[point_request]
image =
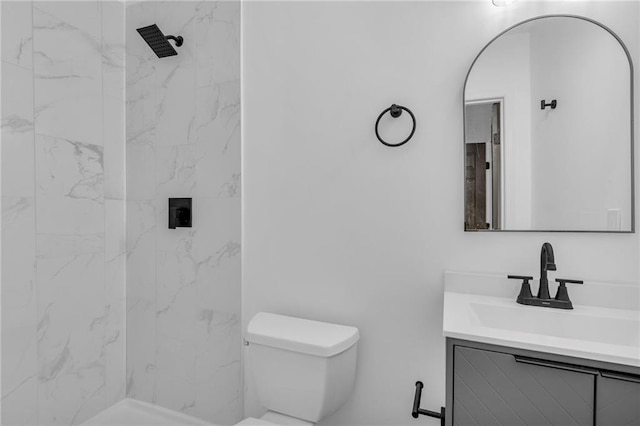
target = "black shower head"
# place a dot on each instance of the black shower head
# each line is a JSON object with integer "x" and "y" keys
{"x": 158, "y": 42}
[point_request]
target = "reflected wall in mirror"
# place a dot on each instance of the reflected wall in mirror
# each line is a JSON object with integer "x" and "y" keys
{"x": 548, "y": 130}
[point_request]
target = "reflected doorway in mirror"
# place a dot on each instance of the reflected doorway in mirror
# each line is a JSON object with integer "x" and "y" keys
{"x": 484, "y": 164}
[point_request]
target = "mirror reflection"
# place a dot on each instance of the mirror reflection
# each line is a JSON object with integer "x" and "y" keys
{"x": 548, "y": 137}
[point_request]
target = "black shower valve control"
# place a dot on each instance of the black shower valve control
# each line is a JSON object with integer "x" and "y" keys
{"x": 179, "y": 213}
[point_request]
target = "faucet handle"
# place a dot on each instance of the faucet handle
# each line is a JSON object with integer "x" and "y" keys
{"x": 562, "y": 293}
{"x": 519, "y": 277}
{"x": 562, "y": 281}
{"x": 525, "y": 278}
{"x": 525, "y": 290}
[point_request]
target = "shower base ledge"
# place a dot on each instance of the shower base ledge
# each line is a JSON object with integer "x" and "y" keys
{"x": 131, "y": 412}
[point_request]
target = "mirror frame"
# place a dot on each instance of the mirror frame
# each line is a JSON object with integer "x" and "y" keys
{"x": 631, "y": 122}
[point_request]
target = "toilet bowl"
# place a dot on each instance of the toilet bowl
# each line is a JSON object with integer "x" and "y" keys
{"x": 303, "y": 370}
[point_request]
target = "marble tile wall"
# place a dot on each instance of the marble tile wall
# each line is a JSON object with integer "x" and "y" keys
{"x": 183, "y": 140}
{"x": 63, "y": 210}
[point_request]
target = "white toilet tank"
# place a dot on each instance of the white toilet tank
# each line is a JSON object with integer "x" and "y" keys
{"x": 302, "y": 368}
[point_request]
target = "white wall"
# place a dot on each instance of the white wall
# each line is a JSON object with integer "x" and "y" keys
{"x": 338, "y": 227}
{"x": 63, "y": 258}
{"x": 183, "y": 140}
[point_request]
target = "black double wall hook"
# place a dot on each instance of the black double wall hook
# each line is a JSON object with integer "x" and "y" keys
{"x": 396, "y": 111}
{"x": 544, "y": 104}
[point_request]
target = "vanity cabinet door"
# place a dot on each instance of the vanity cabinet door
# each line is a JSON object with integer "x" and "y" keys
{"x": 493, "y": 388}
{"x": 618, "y": 400}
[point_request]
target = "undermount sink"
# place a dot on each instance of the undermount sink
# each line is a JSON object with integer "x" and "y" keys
{"x": 604, "y": 324}
{"x": 568, "y": 325}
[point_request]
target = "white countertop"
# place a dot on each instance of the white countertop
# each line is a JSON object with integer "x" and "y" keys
{"x": 604, "y": 324}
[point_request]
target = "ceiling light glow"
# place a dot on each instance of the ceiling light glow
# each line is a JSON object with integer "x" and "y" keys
{"x": 502, "y": 3}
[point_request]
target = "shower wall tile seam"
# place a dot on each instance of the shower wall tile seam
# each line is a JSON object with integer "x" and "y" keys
{"x": 155, "y": 248}
{"x": 35, "y": 215}
{"x": 104, "y": 204}
{"x": 66, "y": 21}
{"x": 125, "y": 193}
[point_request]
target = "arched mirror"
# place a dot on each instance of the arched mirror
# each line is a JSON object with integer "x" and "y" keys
{"x": 548, "y": 130}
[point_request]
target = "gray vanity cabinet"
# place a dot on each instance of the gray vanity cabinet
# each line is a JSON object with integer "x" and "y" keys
{"x": 490, "y": 385}
{"x": 618, "y": 399}
{"x": 493, "y": 388}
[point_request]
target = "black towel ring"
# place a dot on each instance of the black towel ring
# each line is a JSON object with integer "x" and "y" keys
{"x": 395, "y": 111}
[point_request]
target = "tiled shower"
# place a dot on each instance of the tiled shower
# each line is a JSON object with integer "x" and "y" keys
{"x": 183, "y": 140}
{"x": 97, "y": 133}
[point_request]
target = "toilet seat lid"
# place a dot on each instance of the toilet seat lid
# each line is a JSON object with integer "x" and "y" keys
{"x": 300, "y": 335}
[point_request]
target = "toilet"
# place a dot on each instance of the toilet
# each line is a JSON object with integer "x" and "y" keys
{"x": 303, "y": 370}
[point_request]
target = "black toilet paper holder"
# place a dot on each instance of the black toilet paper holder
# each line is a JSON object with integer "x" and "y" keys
{"x": 418, "y": 411}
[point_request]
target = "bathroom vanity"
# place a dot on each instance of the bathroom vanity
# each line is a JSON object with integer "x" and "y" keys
{"x": 509, "y": 364}
{"x": 529, "y": 115}
{"x": 490, "y": 384}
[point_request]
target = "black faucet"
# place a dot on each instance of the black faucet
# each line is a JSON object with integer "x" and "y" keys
{"x": 547, "y": 263}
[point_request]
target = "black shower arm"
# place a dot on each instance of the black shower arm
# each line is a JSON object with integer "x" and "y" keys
{"x": 179, "y": 40}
